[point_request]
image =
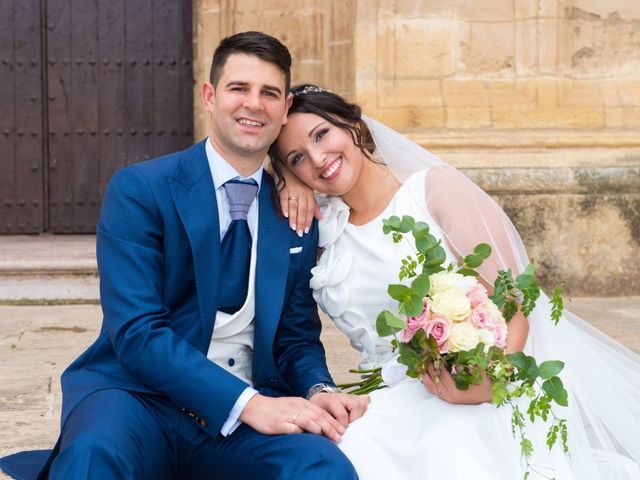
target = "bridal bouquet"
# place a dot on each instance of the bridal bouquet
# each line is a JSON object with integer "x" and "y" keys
{"x": 446, "y": 319}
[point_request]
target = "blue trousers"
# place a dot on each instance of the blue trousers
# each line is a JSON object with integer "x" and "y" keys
{"x": 115, "y": 434}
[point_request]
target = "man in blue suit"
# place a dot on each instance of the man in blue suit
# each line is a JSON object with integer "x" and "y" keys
{"x": 208, "y": 364}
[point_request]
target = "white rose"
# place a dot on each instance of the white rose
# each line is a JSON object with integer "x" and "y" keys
{"x": 463, "y": 337}
{"x": 451, "y": 303}
{"x": 494, "y": 312}
{"x": 487, "y": 337}
{"x": 444, "y": 280}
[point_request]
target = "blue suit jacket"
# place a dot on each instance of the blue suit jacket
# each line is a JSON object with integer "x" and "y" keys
{"x": 158, "y": 248}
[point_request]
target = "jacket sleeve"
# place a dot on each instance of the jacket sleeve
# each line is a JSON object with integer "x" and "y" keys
{"x": 130, "y": 263}
{"x": 299, "y": 354}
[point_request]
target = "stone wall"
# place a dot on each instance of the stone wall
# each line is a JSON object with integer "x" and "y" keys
{"x": 536, "y": 100}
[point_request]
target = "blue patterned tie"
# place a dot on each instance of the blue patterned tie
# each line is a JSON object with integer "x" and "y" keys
{"x": 235, "y": 250}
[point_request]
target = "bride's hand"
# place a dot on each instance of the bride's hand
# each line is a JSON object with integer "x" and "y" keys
{"x": 298, "y": 203}
{"x": 446, "y": 389}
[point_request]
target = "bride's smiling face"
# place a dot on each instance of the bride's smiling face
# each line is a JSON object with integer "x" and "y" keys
{"x": 320, "y": 154}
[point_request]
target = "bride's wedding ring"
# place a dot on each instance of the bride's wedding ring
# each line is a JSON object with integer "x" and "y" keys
{"x": 438, "y": 394}
{"x": 293, "y": 420}
{"x": 293, "y": 198}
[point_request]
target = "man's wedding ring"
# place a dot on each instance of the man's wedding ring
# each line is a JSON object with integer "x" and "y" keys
{"x": 293, "y": 198}
{"x": 293, "y": 420}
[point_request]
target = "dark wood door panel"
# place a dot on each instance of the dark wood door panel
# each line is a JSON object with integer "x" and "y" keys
{"x": 21, "y": 144}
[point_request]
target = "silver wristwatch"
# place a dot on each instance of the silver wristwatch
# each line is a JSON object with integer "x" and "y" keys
{"x": 321, "y": 387}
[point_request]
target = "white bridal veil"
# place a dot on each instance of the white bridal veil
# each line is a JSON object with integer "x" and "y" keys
{"x": 601, "y": 375}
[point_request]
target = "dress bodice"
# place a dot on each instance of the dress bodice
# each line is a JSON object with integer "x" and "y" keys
{"x": 359, "y": 262}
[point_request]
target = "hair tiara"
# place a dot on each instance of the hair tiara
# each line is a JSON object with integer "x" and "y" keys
{"x": 309, "y": 89}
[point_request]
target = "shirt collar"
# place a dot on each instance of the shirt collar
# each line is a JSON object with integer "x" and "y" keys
{"x": 222, "y": 171}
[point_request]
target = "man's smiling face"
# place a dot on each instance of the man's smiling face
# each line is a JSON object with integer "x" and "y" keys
{"x": 248, "y": 107}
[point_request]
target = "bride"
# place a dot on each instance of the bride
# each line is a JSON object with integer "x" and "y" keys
{"x": 366, "y": 172}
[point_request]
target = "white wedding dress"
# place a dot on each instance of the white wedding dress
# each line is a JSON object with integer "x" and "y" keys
{"x": 407, "y": 433}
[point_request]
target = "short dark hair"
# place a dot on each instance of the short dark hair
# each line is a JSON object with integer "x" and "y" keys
{"x": 263, "y": 46}
{"x": 308, "y": 98}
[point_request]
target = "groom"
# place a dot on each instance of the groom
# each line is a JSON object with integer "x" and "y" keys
{"x": 208, "y": 363}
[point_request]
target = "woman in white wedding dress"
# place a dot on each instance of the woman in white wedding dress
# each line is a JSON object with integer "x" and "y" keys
{"x": 367, "y": 172}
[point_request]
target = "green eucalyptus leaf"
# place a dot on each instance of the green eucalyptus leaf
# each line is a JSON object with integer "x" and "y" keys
{"x": 517, "y": 359}
{"x": 473, "y": 260}
{"x": 420, "y": 230}
{"x": 407, "y": 356}
{"x": 550, "y": 368}
{"x": 411, "y": 372}
{"x": 412, "y": 306}
{"x": 557, "y": 305}
{"x": 394, "y": 222}
{"x": 483, "y": 250}
{"x": 406, "y": 224}
{"x": 399, "y": 292}
{"x": 468, "y": 272}
{"x": 430, "y": 270}
{"x": 436, "y": 259}
{"x": 420, "y": 285}
{"x": 498, "y": 299}
{"x": 509, "y": 310}
{"x": 387, "y": 324}
{"x": 554, "y": 387}
{"x": 529, "y": 270}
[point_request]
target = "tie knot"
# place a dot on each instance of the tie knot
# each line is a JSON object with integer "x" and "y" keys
{"x": 240, "y": 194}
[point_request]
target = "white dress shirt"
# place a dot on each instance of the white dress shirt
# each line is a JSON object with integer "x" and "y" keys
{"x": 221, "y": 172}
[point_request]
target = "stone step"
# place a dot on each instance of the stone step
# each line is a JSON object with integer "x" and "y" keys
{"x": 48, "y": 269}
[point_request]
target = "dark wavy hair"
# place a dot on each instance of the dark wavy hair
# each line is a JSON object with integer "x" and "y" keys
{"x": 335, "y": 110}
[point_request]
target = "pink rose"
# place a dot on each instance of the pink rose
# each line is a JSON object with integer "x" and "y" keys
{"x": 500, "y": 332}
{"x": 477, "y": 296}
{"x": 439, "y": 327}
{"x": 480, "y": 318}
{"x": 416, "y": 323}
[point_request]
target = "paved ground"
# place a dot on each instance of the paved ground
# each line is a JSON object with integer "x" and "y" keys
{"x": 38, "y": 342}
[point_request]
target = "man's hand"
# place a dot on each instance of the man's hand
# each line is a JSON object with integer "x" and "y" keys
{"x": 287, "y": 415}
{"x": 344, "y": 407}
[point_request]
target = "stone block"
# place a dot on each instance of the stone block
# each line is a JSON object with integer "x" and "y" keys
{"x": 401, "y": 118}
{"x": 631, "y": 117}
{"x": 423, "y": 8}
{"x": 465, "y": 93}
{"x": 489, "y": 49}
{"x": 574, "y": 222}
{"x": 421, "y": 48}
{"x": 526, "y": 48}
{"x": 547, "y": 93}
{"x": 629, "y": 91}
{"x": 487, "y": 11}
{"x": 525, "y": 9}
{"x": 548, "y": 46}
{"x": 548, "y": 9}
{"x": 548, "y": 118}
{"x": 471, "y": 117}
{"x": 613, "y": 116}
{"x": 409, "y": 93}
{"x": 626, "y": 9}
{"x": 609, "y": 92}
{"x": 521, "y": 93}
{"x": 584, "y": 242}
{"x": 579, "y": 93}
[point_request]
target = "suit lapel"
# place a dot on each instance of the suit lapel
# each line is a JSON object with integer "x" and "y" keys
{"x": 272, "y": 267}
{"x": 195, "y": 200}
